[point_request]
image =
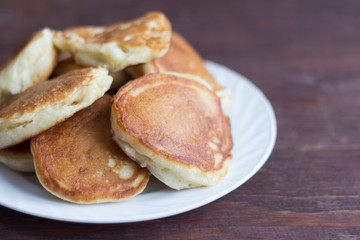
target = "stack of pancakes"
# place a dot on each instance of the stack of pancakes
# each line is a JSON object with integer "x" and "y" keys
{"x": 166, "y": 117}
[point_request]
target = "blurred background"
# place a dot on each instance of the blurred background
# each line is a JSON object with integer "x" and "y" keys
{"x": 303, "y": 54}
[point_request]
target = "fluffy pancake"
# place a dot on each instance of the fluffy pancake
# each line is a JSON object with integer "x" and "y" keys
{"x": 18, "y": 157}
{"x": 118, "y": 45}
{"x": 48, "y": 103}
{"x": 68, "y": 64}
{"x": 33, "y": 64}
{"x": 175, "y": 127}
{"x": 182, "y": 58}
{"x": 78, "y": 161}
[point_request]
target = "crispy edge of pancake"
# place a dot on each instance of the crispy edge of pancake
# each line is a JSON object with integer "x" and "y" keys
{"x": 181, "y": 45}
{"x": 140, "y": 70}
{"x": 167, "y": 170}
{"x": 115, "y": 55}
{"x": 56, "y": 187}
{"x": 21, "y": 126}
{"x": 34, "y": 63}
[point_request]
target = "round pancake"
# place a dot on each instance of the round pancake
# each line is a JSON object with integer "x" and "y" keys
{"x": 182, "y": 58}
{"x": 48, "y": 103}
{"x": 118, "y": 45}
{"x": 175, "y": 127}
{"x": 66, "y": 65}
{"x": 33, "y": 64}
{"x": 18, "y": 157}
{"x": 78, "y": 161}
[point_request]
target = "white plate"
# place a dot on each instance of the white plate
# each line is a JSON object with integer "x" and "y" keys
{"x": 254, "y": 133}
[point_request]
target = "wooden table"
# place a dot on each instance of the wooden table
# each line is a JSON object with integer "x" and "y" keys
{"x": 305, "y": 57}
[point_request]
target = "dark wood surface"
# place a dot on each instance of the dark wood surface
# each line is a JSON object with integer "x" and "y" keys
{"x": 305, "y": 57}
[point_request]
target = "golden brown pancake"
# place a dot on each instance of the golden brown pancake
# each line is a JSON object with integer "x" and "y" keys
{"x": 48, "y": 103}
{"x": 118, "y": 45}
{"x": 34, "y": 63}
{"x": 78, "y": 161}
{"x": 175, "y": 127}
{"x": 181, "y": 58}
{"x": 18, "y": 157}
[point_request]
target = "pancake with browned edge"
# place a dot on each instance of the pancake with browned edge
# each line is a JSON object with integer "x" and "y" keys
{"x": 47, "y": 103}
{"x": 78, "y": 161}
{"x": 182, "y": 58}
{"x": 34, "y": 63}
{"x": 175, "y": 127}
{"x": 119, "y": 45}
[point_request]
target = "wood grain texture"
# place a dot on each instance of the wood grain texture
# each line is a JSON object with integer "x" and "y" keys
{"x": 304, "y": 55}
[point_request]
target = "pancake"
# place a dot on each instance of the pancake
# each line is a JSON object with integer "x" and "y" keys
{"x": 182, "y": 58}
{"x": 48, "y": 103}
{"x": 118, "y": 45}
{"x": 33, "y": 64}
{"x": 175, "y": 127}
{"x": 18, "y": 157}
{"x": 66, "y": 65}
{"x": 78, "y": 161}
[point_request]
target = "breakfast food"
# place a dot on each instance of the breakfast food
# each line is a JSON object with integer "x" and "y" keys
{"x": 18, "y": 157}
{"x": 118, "y": 45}
{"x": 90, "y": 147}
{"x": 48, "y": 103}
{"x": 68, "y": 64}
{"x": 182, "y": 58}
{"x": 78, "y": 161}
{"x": 175, "y": 127}
{"x": 33, "y": 64}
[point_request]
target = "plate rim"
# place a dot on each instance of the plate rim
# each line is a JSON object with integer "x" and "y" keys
{"x": 273, "y": 130}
